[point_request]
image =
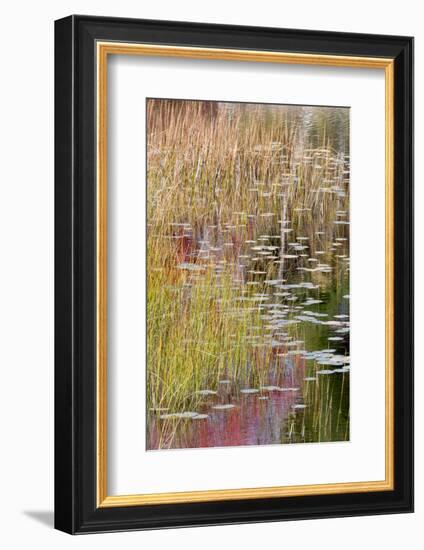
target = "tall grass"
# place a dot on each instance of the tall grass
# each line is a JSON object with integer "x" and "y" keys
{"x": 218, "y": 178}
{"x": 202, "y": 171}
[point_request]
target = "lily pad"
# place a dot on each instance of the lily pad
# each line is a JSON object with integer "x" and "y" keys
{"x": 191, "y": 267}
{"x": 187, "y": 414}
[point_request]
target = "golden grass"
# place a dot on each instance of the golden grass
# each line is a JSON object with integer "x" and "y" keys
{"x": 223, "y": 176}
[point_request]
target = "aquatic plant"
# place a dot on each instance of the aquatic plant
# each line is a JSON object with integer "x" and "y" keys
{"x": 247, "y": 269}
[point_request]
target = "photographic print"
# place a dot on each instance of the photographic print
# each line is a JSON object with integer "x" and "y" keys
{"x": 247, "y": 274}
{"x": 204, "y": 225}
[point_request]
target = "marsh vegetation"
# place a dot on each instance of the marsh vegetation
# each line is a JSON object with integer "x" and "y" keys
{"x": 247, "y": 274}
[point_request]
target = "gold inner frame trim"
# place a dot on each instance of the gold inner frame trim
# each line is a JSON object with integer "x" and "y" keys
{"x": 103, "y": 50}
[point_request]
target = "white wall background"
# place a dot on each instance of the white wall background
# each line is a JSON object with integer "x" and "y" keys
{"x": 26, "y": 272}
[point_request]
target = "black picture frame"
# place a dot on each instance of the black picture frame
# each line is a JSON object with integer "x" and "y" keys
{"x": 76, "y": 510}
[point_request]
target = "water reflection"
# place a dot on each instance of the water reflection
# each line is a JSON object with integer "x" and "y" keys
{"x": 248, "y": 302}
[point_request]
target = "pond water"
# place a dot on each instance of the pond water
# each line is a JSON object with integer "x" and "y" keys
{"x": 304, "y": 396}
{"x": 248, "y": 310}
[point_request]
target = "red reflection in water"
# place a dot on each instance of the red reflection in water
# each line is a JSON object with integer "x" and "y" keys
{"x": 256, "y": 418}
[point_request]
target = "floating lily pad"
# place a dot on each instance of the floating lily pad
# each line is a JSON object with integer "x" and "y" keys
{"x": 191, "y": 267}
{"x": 187, "y": 414}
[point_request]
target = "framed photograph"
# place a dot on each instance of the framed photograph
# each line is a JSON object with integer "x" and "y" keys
{"x": 234, "y": 274}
